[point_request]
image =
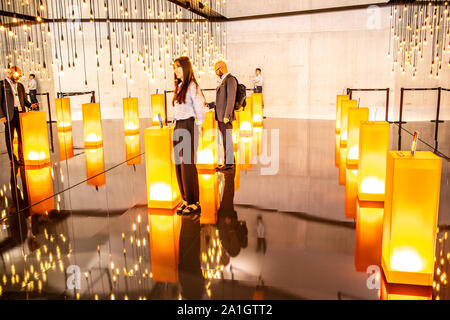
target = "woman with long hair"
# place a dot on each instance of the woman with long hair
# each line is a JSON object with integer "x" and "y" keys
{"x": 189, "y": 103}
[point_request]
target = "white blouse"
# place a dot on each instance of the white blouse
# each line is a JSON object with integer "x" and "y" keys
{"x": 194, "y": 105}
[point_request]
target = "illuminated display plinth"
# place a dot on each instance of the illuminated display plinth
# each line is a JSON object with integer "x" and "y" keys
{"x": 410, "y": 217}
{"x": 162, "y": 186}
{"x": 92, "y": 124}
{"x": 206, "y": 156}
{"x": 209, "y": 127}
{"x": 164, "y": 246}
{"x": 40, "y": 188}
{"x": 65, "y": 143}
{"x": 337, "y": 150}
{"x": 395, "y": 291}
{"x": 337, "y": 153}
{"x": 36, "y": 151}
{"x": 158, "y": 107}
{"x": 246, "y": 119}
{"x": 245, "y": 153}
{"x": 63, "y": 115}
{"x": 237, "y": 175}
{"x": 257, "y": 137}
{"x": 369, "y": 232}
{"x": 257, "y": 101}
{"x": 133, "y": 149}
{"x": 16, "y": 144}
{"x": 207, "y": 151}
{"x": 235, "y": 133}
{"x": 351, "y": 191}
{"x": 355, "y": 117}
{"x": 209, "y": 197}
{"x": 131, "y": 116}
{"x": 373, "y": 149}
{"x": 339, "y": 100}
{"x": 95, "y": 167}
{"x": 345, "y": 108}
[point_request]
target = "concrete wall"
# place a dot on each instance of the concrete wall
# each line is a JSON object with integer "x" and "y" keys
{"x": 307, "y": 60}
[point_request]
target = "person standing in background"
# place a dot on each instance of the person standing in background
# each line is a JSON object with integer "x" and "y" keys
{"x": 13, "y": 101}
{"x": 260, "y": 232}
{"x": 258, "y": 81}
{"x": 225, "y": 113}
{"x": 32, "y": 90}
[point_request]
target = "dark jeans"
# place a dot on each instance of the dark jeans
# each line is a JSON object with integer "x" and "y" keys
{"x": 185, "y": 168}
{"x": 33, "y": 98}
{"x": 261, "y": 245}
{"x": 9, "y": 136}
{"x": 226, "y": 130}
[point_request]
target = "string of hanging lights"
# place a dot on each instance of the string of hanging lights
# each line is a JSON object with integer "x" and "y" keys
{"x": 420, "y": 29}
{"x": 146, "y": 33}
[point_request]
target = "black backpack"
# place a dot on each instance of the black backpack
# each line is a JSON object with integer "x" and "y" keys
{"x": 241, "y": 94}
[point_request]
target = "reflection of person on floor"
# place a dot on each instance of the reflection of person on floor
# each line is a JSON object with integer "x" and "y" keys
{"x": 260, "y": 235}
{"x": 189, "y": 265}
{"x": 17, "y": 220}
{"x": 232, "y": 232}
{"x": 189, "y": 103}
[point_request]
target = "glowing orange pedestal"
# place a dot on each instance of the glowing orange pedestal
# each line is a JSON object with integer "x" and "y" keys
{"x": 131, "y": 116}
{"x": 410, "y": 220}
{"x": 257, "y": 101}
{"x": 355, "y": 117}
{"x": 345, "y": 108}
{"x": 246, "y": 119}
{"x": 257, "y": 137}
{"x": 373, "y": 149}
{"x": 237, "y": 175}
{"x": 245, "y": 153}
{"x": 158, "y": 107}
{"x": 92, "y": 125}
{"x": 162, "y": 186}
{"x": 63, "y": 114}
{"x": 36, "y": 150}
{"x": 164, "y": 246}
{"x": 207, "y": 151}
{"x": 337, "y": 147}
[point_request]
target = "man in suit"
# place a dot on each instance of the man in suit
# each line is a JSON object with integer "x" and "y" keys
{"x": 224, "y": 109}
{"x": 13, "y": 101}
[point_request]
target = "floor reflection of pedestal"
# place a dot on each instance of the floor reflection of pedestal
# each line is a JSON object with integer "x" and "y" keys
{"x": 369, "y": 232}
{"x": 394, "y": 291}
{"x": 164, "y": 227}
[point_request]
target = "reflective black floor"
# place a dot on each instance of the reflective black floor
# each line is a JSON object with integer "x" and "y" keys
{"x": 90, "y": 216}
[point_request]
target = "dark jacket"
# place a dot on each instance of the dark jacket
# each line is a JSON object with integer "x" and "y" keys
{"x": 226, "y": 99}
{"x": 7, "y": 99}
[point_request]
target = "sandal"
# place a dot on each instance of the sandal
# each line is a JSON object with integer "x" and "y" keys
{"x": 192, "y": 209}
{"x": 181, "y": 207}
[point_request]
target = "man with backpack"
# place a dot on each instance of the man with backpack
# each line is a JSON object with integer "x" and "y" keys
{"x": 228, "y": 99}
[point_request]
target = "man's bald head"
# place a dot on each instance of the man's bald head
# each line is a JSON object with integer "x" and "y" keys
{"x": 220, "y": 68}
{"x": 15, "y": 73}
